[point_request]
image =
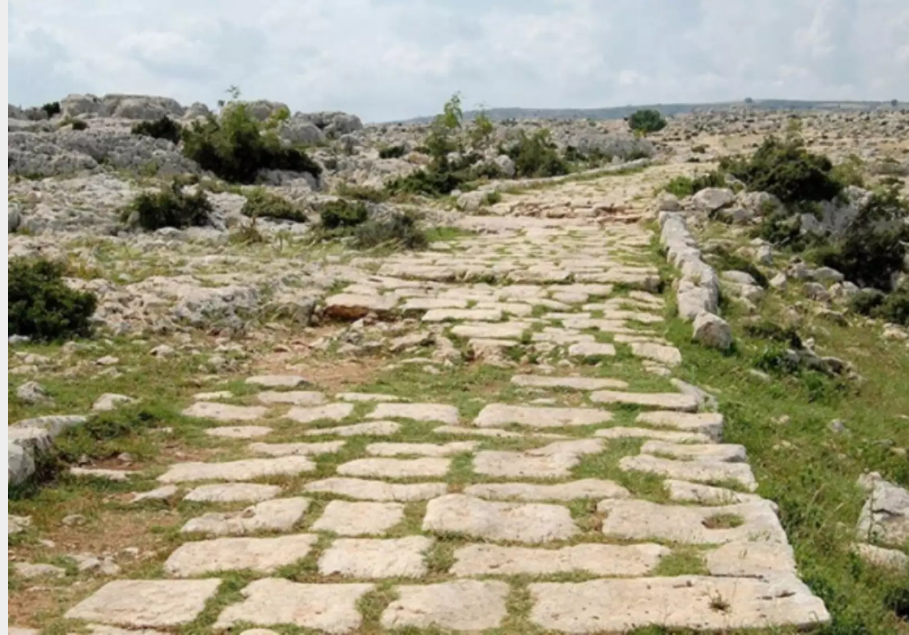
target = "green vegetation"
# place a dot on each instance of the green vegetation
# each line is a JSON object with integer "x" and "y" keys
{"x": 342, "y": 214}
{"x": 78, "y": 124}
{"x": 893, "y": 307}
{"x": 536, "y": 156}
{"x": 683, "y": 186}
{"x": 163, "y": 128}
{"x": 392, "y": 152}
{"x": 169, "y": 207}
{"x": 400, "y": 231}
{"x": 52, "y": 109}
{"x": 263, "y": 204}
{"x": 727, "y": 261}
{"x": 361, "y": 193}
{"x": 646, "y": 121}
{"x": 42, "y": 306}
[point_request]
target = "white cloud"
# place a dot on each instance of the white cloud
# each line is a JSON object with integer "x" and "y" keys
{"x": 387, "y": 59}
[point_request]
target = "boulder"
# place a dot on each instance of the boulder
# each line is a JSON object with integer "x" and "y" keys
{"x": 713, "y": 198}
{"x": 505, "y": 165}
{"x": 301, "y": 131}
{"x": 141, "y": 106}
{"x": 713, "y": 331}
{"x": 81, "y": 105}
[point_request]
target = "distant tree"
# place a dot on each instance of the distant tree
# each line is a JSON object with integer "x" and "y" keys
{"x": 644, "y": 121}
{"x": 894, "y": 102}
{"x": 749, "y": 100}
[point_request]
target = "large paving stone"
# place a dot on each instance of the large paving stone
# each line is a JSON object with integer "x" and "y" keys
{"x": 233, "y": 493}
{"x": 661, "y": 435}
{"x": 377, "y": 490}
{"x": 497, "y": 415}
{"x": 709, "y": 423}
{"x": 238, "y": 432}
{"x": 281, "y": 514}
{"x": 420, "y": 449}
{"x": 685, "y": 492}
{"x": 372, "y": 429}
{"x": 395, "y": 468}
{"x": 599, "y": 560}
{"x": 574, "y": 383}
{"x": 691, "y": 470}
{"x": 224, "y": 412}
{"x": 276, "y": 381}
{"x": 456, "y": 315}
{"x": 263, "y": 555}
{"x": 591, "y": 349}
{"x": 246, "y": 470}
{"x": 359, "y": 519}
{"x": 597, "y": 324}
{"x": 686, "y": 602}
{"x": 331, "y": 608}
{"x": 296, "y": 449}
{"x": 751, "y": 559}
{"x": 146, "y": 603}
{"x": 500, "y": 331}
{"x": 430, "y": 304}
{"x": 462, "y": 605}
{"x": 587, "y": 488}
{"x": 328, "y": 412}
{"x": 293, "y": 397}
{"x": 708, "y": 453}
{"x": 468, "y": 516}
{"x": 417, "y": 412}
{"x": 348, "y": 306}
{"x": 523, "y": 465}
{"x": 365, "y": 396}
{"x": 668, "y": 401}
{"x": 667, "y": 355}
{"x": 642, "y": 520}
{"x": 552, "y": 335}
{"x": 369, "y": 559}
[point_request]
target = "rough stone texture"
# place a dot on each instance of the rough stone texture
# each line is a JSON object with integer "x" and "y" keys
{"x": 496, "y": 415}
{"x": 233, "y": 493}
{"x": 685, "y": 492}
{"x": 157, "y": 494}
{"x": 724, "y": 453}
{"x": 263, "y": 555}
{"x": 502, "y": 331}
{"x": 109, "y": 401}
{"x": 395, "y": 468}
{"x": 28, "y": 570}
{"x": 348, "y": 306}
{"x": 575, "y": 383}
{"x": 692, "y": 471}
{"x": 587, "y": 488}
{"x": 666, "y": 401}
{"x": 146, "y": 603}
{"x": 668, "y": 355}
{"x": 591, "y": 349}
{"x": 281, "y": 514}
{"x": 239, "y": 432}
{"x": 359, "y": 519}
{"x": 713, "y": 331}
{"x": 377, "y": 490}
{"x": 885, "y": 516}
{"x": 246, "y": 470}
{"x": 417, "y": 412}
{"x": 420, "y": 449}
{"x": 661, "y": 435}
{"x": 119, "y": 476}
{"x": 886, "y": 558}
{"x": 374, "y": 429}
{"x": 331, "y": 608}
{"x": 599, "y": 560}
{"x": 642, "y": 520}
{"x": 523, "y": 465}
{"x": 709, "y": 423}
{"x": 369, "y": 559}
{"x": 603, "y": 606}
{"x": 462, "y": 605}
{"x": 329, "y": 412}
{"x": 364, "y": 396}
{"x": 293, "y": 397}
{"x": 464, "y": 515}
{"x": 277, "y": 381}
{"x": 224, "y": 412}
{"x": 454, "y": 315}
{"x": 751, "y": 559}
{"x": 296, "y": 449}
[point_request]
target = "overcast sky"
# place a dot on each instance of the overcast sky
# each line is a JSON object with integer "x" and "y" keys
{"x": 391, "y": 59}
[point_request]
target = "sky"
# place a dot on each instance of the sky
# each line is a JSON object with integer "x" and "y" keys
{"x": 394, "y": 59}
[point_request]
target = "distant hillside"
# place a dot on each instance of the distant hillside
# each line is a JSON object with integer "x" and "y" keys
{"x": 499, "y": 114}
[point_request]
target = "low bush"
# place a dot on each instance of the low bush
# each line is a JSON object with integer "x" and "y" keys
{"x": 727, "y": 261}
{"x": 362, "y": 193}
{"x": 104, "y": 435}
{"x": 343, "y": 214}
{"x": 169, "y": 207}
{"x": 263, "y": 204}
{"x": 78, "y": 124}
{"x": 892, "y": 307}
{"x": 866, "y": 301}
{"x": 683, "y": 186}
{"x": 163, "y": 128}
{"x": 400, "y": 231}
{"x": 427, "y": 182}
{"x": 52, "y": 109}
{"x": 392, "y": 152}
{"x": 767, "y": 330}
{"x": 644, "y": 121}
{"x": 536, "y": 156}
{"x": 41, "y": 306}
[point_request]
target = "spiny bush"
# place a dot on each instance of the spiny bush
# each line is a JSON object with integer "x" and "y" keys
{"x": 399, "y": 231}
{"x": 163, "y": 128}
{"x": 169, "y": 207}
{"x": 683, "y": 186}
{"x": 263, "y": 204}
{"x": 52, "y": 108}
{"x": 536, "y": 156}
{"x": 362, "y": 193}
{"x": 41, "y": 306}
{"x": 343, "y": 214}
{"x": 392, "y": 152}
{"x": 79, "y": 124}
{"x": 428, "y": 182}
{"x": 644, "y": 121}
{"x": 236, "y": 147}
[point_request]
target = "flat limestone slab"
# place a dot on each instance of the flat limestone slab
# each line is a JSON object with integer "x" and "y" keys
{"x": 293, "y": 397}
{"x": 591, "y": 349}
{"x": 359, "y": 519}
{"x": 224, "y": 412}
{"x": 246, "y": 470}
{"x": 420, "y": 449}
{"x": 709, "y": 423}
{"x": 661, "y": 435}
{"x": 600, "y": 560}
{"x": 497, "y": 415}
{"x": 430, "y": 304}
{"x": 708, "y": 453}
{"x": 146, "y": 603}
{"x": 325, "y": 607}
{"x": 529, "y": 523}
{"x": 276, "y": 381}
{"x": 523, "y": 465}
{"x": 417, "y": 412}
{"x": 685, "y": 492}
{"x": 691, "y": 470}
{"x": 668, "y": 401}
{"x": 349, "y": 306}
{"x": 462, "y": 605}
{"x": 687, "y": 602}
{"x": 328, "y": 412}
{"x": 280, "y": 514}
{"x": 395, "y": 468}
{"x": 573, "y": 383}
{"x": 456, "y": 315}
{"x": 500, "y": 331}
{"x": 667, "y": 355}
{"x": 373, "y": 429}
{"x": 365, "y": 396}
{"x": 238, "y": 432}
{"x": 588, "y": 488}
{"x": 264, "y": 555}
{"x": 642, "y": 520}
{"x": 370, "y": 559}
{"x": 233, "y": 493}
{"x": 377, "y": 490}
{"x": 749, "y": 559}
{"x": 296, "y": 449}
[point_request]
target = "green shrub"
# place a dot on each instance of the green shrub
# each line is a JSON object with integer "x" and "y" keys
{"x": 767, "y": 330}
{"x": 41, "y": 306}
{"x": 392, "y": 152}
{"x": 849, "y": 172}
{"x": 362, "y": 193}
{"x": 683, "y": 186}
{"x": 400, "y": 231}
{"x": 645, "y": 121}
{"x": 262, "y": 204}
{"x": 78, "y": 124}
{"x": 727, "y": 261}
{"x": 169, "y": 207}
{"x": 429, "y": 182}
{"x": 163, "y": 128}
{"x": 895, "y": 307}
{"x": 236, "y": 147}
{"x": 52, "y": 109}
{"x": 536, "y": 156}
{"x": 343, "y": 214}
{"x": 102, "y": 436}
{"x": 866, "y": 301}
{"x": 787, "y": 170}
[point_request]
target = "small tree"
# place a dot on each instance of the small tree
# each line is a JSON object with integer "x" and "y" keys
{"x": 646, "y": 121}
{"x": 41, "y": 306}
{"x": 894, "y": 102}
{"x": 163, "y": 128}
{"x": 170, "y": 207}
{"x": 482, "y": 129}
